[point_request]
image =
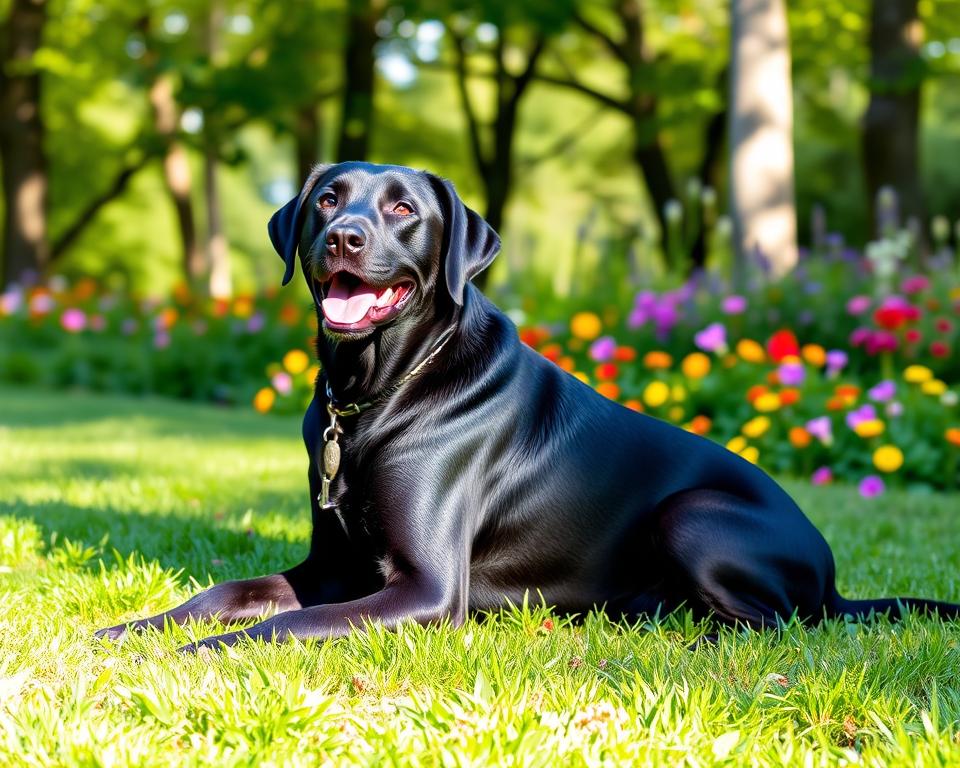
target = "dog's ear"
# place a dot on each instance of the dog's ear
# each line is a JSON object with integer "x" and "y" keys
{"x": 285, "y": 225}
{"x": 469, "y": 243}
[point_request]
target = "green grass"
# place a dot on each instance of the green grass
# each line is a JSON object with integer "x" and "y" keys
{"x": 112, "y": 508}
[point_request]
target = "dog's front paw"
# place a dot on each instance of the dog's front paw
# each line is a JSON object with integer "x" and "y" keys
{"x": 209, "y": 645}
{"x": 112, "y": 633}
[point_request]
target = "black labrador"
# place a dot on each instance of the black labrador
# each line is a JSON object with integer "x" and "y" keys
{"x": 452, "y": 467}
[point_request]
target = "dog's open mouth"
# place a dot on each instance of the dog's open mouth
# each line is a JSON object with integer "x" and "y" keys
{"x": 350, "y": 304}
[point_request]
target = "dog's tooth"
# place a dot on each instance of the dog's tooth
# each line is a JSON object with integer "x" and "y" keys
{"x": 385, "y": 297}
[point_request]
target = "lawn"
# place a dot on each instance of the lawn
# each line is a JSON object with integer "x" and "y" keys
{"x": 111, "y": 508}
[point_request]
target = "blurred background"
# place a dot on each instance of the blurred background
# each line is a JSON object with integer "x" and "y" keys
{"x": 740, "y": 216}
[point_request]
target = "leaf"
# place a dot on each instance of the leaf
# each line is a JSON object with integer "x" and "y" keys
{"x": 723, "y": 745}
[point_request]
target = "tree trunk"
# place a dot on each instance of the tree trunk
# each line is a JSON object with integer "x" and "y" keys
{"x": 307, "y": 136}
{"x": 761, "y": 135}
{"x": 356, "y": 119}
{"x": 891, "y": 124}
{"x": 176, "y": 174}
{"x": 709, "y": 175}
{"x": 25, "y": 247}
{"x": 218, "y": 249}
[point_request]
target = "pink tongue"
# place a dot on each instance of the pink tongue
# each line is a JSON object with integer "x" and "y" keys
{"x": 342, "y": 306}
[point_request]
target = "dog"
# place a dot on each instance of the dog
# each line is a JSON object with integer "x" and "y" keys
{"x": 452, "y": 468}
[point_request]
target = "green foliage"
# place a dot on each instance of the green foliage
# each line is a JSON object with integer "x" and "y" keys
{"x": 223, "y": 496}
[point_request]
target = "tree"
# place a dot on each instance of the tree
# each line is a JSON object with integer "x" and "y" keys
{"x": 761, "y": 135}
{"x": 25, "y": 247}
{"x": 357, "y": 113}
{"x": 891, "y": 124}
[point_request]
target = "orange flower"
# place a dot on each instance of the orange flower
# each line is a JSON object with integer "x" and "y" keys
{"x": 567, "y": 364}
{"x": 751, "y": 351}
{"x": 264, "y": 399}
{"x": 773, "y": 378}
{"x": 289, "y": 314}
{"x": 953, "y": 436}
{"x": 700, "y": 424}
{"x": 755, "y": 391}
{"x": 789, "y": 396}
{"x": 585, "y": 325}
{"x": 849, "y": 392}
{"x": 657, "y": 360}
{"x": 836, "y": 404}
{"x": 696, "y": 365}
{"x": 625, "y": 354}
{"x": 552, "y": 352}
{"x": 634, "y": 405}
{"x": 799, "y": 437}
{"x": 608, "y": 389}
{"x": 168, "y": 317}
{"x": 606, "y": 371}
{"x": 534, "y": 336}
{"x": 814, "y": 354}
{"x": 243, "y": 306}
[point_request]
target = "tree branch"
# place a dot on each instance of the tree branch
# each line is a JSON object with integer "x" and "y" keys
{"x": 616, "y": 48}
{"x": 473, "y": 125}
{"x": 586, "y": 90}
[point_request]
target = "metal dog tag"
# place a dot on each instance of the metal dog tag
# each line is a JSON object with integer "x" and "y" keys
{"x": 331, "y": 457}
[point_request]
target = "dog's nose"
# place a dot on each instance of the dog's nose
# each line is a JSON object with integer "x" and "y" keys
{"x": 345, "y": 240}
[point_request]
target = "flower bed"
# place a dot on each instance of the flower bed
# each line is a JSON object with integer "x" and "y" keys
{"x": 836, "y": 372}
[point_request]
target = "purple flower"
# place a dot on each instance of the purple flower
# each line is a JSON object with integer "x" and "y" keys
{"x": 637, "y": 318}
{"x": 713, "y": 338}
{"x": 864, "y": 413}
{"x": 836, "y": 362}
{"x": 822, "y": 476}
{"x": 870, "y": 486}
{"x": 858, "y": 305}
{"x": 73, "y": 320}
{"x": 665, "y": 317}
{"x": 821, "y": 428}
{"x": 161, "y": 340}
{"x": 129, "y": 326}
{"x": 256, "y": 322}
{"x": 282, "y": 382}
{"x": 733, "y": 305}
{"x": 884, "y": 391}
{"x": 894, "y": 409}
{"x": 791, "y": 374}
{"x": 10, "y": 301}
{"x": 603, "y": 349}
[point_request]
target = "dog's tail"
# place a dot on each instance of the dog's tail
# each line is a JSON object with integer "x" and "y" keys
{"x": 894, "y": 607}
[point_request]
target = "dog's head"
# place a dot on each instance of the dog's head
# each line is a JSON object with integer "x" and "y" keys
{"x": 379, "y": 243}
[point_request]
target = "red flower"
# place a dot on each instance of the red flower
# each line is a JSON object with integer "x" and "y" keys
{"x": 939, "y": 349}
{"x": 943, "y": 325}
{"x": 783, "y": 344}
{"x": 912, "y": 336}
{"x": 607, "y": 371}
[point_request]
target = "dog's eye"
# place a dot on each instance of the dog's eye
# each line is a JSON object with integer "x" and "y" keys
{"x": 403, "y": 209}
{"x": 328, "y": 200}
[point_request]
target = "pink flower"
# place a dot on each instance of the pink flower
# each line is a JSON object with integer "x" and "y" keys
{"x": 73, "y": 320}
{"x": 713, "y": 338}
{"x": 871, "y": 485}
{"x": 882, "y": 392}
{"x": 733, "y": 305}
{"x": 822, "y": 476}
{"x": 858, "y": 305}
{"x": 282, "y": 382}
{"x": 821, "y": 428}
{"x": 915, "y": 284}
{"x": 864, "y": 413}
{"x": 603, "y": 349}
{"x": 791, "y": 374}
{"x": 41, "y": 304}
{"x": 161, "y": 340}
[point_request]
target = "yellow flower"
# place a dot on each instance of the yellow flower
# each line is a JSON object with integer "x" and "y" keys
{"x": 917, "y": 374}
{"x": 581, "y": 376}
{"x": 814, "y": 354}
{"x": 737, "y": 444}
{"x": 696, "y": 365}
{"x": 296, "y": 361}
{"x": 756, "y": 427}
{"x": 676, "y": 413}
{"x": 888, "y": 458}
{"x": 310, "y": 375}
{"x": 657, "y": 360}
{"x": 934, "y": 387}
{"x": 264, "y": 399}
{"x": 751, "y": 351}
{"x": 870, "y": 428}
{"x": 656, "y": 394}
{"x": 585, "y": 325}
{"x": 767, "y": 402}
{"x": 678, "y": 392}
{"x": 751, "y": 454}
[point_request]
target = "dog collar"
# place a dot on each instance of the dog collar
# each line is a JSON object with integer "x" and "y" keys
{"x": 330, "y": 463}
